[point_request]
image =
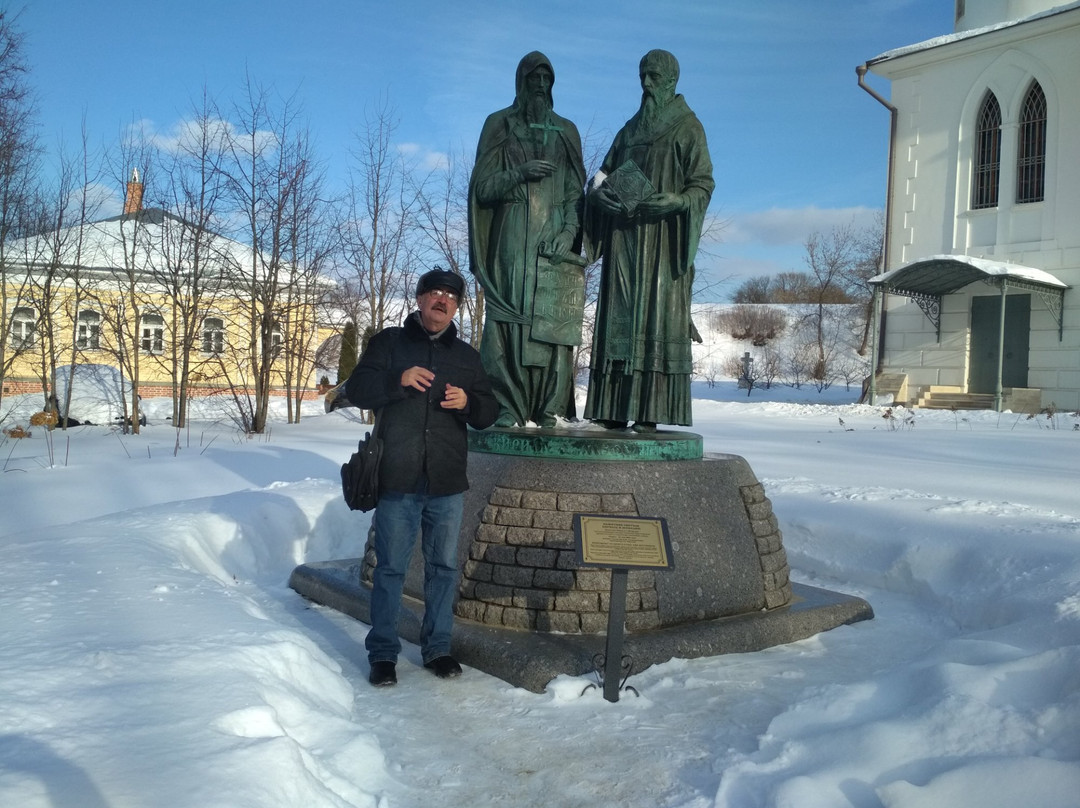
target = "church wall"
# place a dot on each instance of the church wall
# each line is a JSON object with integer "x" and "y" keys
{"x": 937, "y": 92}
{"x": 978, "y": 13}
{"x": 912, "y": 346}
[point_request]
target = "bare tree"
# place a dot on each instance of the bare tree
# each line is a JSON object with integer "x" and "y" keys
{"x": 829, "y": 258}
{"x": 375, "y": 227}
{"x": 867, "y": 263}
{"x": 265, "y": 168}
{"x": 309, "y": 244}
{"x": 19, "y": 154}
{"x": 85, "y": 323}
{"x": 56, "y": 286}
{"x": 39, "y": 300}
{"x": 195, "y": 261}
{"x": 442, "y": 218}
{"x": 798, "y": 364}
{"x": 136, "y": 321}
{"x": 754, "y": 290}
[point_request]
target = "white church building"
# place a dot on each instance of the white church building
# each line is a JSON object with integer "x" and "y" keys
{"x": 978, "y": 303}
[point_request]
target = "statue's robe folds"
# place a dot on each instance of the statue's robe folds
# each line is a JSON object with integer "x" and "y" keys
{"x": 641, "y": 359}
{"x": 508, "y": 222}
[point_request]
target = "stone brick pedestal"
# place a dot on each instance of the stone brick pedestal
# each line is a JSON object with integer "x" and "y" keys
{"x": 526, "y": 611}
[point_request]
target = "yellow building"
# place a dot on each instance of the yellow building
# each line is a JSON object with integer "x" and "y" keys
{"x": 177, "y": 309}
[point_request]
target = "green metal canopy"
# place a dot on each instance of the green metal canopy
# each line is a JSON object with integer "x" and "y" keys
{"x": 928, "y": 280}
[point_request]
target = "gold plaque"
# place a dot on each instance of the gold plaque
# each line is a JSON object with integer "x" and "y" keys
{"x": 622, "y": 541}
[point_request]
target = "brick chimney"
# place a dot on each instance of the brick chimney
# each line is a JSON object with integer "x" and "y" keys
{"x": 133, "y": 199}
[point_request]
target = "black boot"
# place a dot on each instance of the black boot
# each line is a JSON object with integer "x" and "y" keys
{"x": 383, "y": 674}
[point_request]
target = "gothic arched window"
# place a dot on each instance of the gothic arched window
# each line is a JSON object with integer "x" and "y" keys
{"x": 984, "y": 192}
{"x": 1031, "y": 148}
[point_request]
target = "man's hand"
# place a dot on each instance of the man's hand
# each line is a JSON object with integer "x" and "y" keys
{"x": 660, "y": 205}
{"x": 417, "y": 378}
{"x": 537, "y": 169}
{"x": 455, "y": 398}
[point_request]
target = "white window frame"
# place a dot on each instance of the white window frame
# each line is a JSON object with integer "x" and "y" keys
{"x": 88, "y": 330}
{"x": 23, "y": 332}
{"x": 152, "y": 334}
{"x": 212, "y": 337}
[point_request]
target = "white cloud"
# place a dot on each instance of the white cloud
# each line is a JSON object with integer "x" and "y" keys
{"x": 424, "y": 159}
{"x": 791, "y": 226}
{"x": 102, "y": 200}
{"x": 188, "y": 135}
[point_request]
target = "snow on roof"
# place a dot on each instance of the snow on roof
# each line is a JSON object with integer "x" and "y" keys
{"x": 983, "y": 265}
{"x": 958, "y": 36}
{"x": 148, "y": 239}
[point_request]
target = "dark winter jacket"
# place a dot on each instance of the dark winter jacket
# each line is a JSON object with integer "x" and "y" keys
{"x": 420, "y": 438}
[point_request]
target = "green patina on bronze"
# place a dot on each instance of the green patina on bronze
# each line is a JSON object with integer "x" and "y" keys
{"x": 645, "y": 221}
{"x": 593, "y": 445}
{"x": 526, "y": 191}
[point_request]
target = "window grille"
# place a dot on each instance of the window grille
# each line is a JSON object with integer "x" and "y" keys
{"x": 987, "y": 154}
{"x": 1031, "y": 150}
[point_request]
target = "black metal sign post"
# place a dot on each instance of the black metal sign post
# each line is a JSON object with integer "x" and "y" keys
{"x": 616, "y": 623}
{"x": 621, "y": 543}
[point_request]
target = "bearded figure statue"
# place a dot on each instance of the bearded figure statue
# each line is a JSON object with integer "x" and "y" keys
{"x": 525, "y": 202}
{"x": 644, "y": 216}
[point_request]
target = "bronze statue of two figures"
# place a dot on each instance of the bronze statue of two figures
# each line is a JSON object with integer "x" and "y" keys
{"x": 531, "y": 218}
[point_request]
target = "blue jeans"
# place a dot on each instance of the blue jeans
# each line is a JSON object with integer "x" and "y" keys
{"x": 398, "y": 519}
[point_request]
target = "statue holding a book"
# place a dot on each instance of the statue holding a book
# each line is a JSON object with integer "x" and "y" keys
{"x": 644, "y": 216}
{"x": 525, "y": 200}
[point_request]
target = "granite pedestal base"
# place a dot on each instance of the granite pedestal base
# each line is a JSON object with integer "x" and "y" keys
{"x": 526, "y": 612}
{"x": 531, "y": 659}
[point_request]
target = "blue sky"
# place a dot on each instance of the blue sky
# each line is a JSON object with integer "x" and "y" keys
{"x": 796, "y": 145}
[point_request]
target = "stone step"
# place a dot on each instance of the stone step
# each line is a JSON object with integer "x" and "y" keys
{"x": 959, "y": 401}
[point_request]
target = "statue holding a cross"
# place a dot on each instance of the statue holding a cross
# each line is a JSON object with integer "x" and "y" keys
{"x": 525, "y": 202}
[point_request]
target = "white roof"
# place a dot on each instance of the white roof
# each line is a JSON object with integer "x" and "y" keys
{"x": 147, "y": 240}
{"x": 973, "y": 32}
{"x": 110, "y": 244}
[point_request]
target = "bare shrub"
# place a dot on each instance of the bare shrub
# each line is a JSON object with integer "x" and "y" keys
{"x": 759, "y": 324}
{"x": 798, "y": 365}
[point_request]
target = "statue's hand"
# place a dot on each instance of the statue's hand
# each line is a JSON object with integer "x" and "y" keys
{"x": 661, "y": 204}
{"x": 537, "y": 169}
{"x": 606, "y": 200}
{"x": 560, "y": 245}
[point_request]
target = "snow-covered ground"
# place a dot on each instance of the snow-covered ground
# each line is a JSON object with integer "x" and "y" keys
{"x": 153, "y": 655}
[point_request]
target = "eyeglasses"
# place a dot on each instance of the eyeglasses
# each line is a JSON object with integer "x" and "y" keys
{"x": 451, "y": 296}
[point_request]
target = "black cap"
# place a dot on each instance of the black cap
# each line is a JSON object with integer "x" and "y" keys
{"x": 440, "y": 278}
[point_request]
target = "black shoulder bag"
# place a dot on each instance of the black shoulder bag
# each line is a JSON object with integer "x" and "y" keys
{"x": 360, "y": 476}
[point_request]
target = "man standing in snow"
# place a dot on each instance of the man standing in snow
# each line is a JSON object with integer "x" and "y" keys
{"x": 426, "y": 386}
{"x": 525, "y": 197}
{"x": 645, "y": 219}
